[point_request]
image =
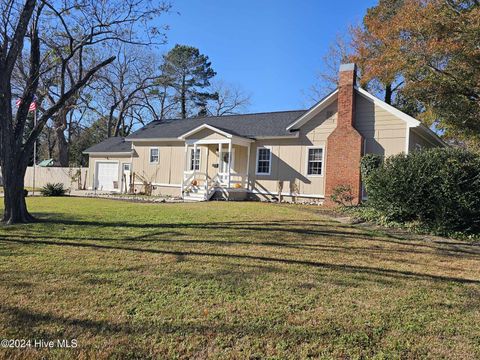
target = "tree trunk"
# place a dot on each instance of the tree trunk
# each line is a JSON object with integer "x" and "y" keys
{"x": 15, "y": 210}
{"x": 61, "y": 143}
{"x": 184, "y": 99}
{"x": 14, "y": 161}
{"x": 388, "y": 94}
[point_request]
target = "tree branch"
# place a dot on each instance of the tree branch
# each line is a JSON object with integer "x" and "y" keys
{"x": 63, "y": 99}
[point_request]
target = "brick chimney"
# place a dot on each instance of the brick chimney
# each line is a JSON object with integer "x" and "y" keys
{"x": 345, "y": 144}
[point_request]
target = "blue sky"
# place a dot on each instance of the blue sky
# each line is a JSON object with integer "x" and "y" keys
{"x": 272, "y": 49}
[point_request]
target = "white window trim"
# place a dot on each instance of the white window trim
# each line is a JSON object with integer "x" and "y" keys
{"x": 126, "y": 163}
{"x": 191, "y": 149}
{"x": 323, "y": 161}
{"x": 269, "y": 161}
{"x": 150, "y": 155}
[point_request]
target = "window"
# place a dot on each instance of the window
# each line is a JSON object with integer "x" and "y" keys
{"x": 314, "y": 161}
{"x": 154, "y": 155}
{"x": 194, "y": 160}
{"x": 264, "y": 161}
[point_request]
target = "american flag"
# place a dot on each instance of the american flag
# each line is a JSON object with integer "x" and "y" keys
{"x": 33, "y": 104}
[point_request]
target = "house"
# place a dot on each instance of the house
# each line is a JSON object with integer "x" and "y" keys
{"x": 304, "y": 153}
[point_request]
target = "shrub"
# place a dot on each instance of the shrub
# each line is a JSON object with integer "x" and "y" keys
{"x": 342, "y": 195}
{"x": 440, "y": 188}
{"x": 370, "y": 163}
{"x": 53, "y": 190}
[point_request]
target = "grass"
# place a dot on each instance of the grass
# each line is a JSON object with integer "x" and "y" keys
{"x": 28, "y": 188}
{"x": 231, "y": 280}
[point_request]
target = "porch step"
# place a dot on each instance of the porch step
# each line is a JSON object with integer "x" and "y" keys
{"x": 195, "y": 196}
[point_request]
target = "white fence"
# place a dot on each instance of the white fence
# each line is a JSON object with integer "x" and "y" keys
{"x": 73, "y": 178}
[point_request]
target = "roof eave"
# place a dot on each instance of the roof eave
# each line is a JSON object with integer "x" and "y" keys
{"x": 431, "y": 134}
{"x": 108, "y": 153}
{"x": 151, "y": 139}
{"x": 411, "y": 122}
{"x": 294, "y": 135}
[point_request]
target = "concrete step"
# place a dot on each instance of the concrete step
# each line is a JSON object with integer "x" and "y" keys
{"x": 193, "y": 198}
{"x": 198, "y": 195}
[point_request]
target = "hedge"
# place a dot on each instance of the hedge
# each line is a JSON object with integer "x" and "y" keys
{"x": 438, "y": 187}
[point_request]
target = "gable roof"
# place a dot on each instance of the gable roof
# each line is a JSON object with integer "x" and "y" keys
{"x": 113, "y": 145}
{"x": 314, "y": 110}
{"x": 253, "y": 126}
{"x": 330, "y": 98}
{"x": 411, "y": 122}
{"x": 206, "y": 126}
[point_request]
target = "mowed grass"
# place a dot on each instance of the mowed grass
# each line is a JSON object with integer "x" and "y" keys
{"x": 231, "y": 280}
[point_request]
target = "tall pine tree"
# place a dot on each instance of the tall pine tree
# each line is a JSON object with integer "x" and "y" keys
{"x": 189, "y": 72}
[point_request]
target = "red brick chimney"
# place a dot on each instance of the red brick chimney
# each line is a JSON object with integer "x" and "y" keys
{"x": 345, "y": 144}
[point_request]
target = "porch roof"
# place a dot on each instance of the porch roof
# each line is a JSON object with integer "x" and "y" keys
{"x": 225, "y": 135}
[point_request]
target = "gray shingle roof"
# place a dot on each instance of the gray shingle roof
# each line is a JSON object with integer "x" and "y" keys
{"x": 249, "y": 125}
{"x": 111, "y": 145}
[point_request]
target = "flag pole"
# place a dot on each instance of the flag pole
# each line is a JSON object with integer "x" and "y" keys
{"x": 34, "y": 150}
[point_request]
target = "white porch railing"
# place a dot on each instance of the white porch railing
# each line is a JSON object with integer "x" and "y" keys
{"x": 238, "y": 180}
{"x": 194, "y": 181}
{"x": 201, "y": 183}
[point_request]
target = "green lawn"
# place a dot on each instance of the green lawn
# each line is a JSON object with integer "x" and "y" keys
{"x": 231, "y": 280}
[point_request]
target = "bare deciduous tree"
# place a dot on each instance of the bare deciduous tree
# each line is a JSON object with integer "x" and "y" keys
{"x": 28, "y": 26}
{"x": 125, "y": 85}
{"x": 229, "y": 100}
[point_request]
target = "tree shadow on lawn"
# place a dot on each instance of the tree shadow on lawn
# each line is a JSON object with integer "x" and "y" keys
{"x": 293, "y": 244}
{"x": 231, "y": 231}
{"x": 244, "y": 277}
{"x": 300, "y": 227}
{"x": 24, "y": 319}
{"x": 336, "y": 267}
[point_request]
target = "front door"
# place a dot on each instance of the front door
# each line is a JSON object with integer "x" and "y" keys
{"x": 127, "y": 168}
{"x": 224, "y": 166}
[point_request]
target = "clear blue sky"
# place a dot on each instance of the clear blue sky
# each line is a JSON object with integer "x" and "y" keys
{"x": 272, "y": 49}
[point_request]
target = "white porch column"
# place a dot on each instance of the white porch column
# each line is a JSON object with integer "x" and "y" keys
{"x": 229, "y": 161}
{"x": 207, "y": 149}
{"x": 220, "y": 160}
{"x": 195, "y": 160}
{"x": 185, "y": 166}
{"x": 248, "y": 167}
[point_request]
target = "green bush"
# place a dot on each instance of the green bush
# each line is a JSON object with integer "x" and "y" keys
{"x": 370, "y": 163}
{"x": 440, "y": 188}
{"x": 53, "y": 190}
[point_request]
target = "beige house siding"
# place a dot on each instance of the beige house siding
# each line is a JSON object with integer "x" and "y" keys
{"x": 93, "y": 159}
{"x": 384, "y": 133}
{"x": 166, "y": 176}
{"x": 289, "y": 158}
{"x": 168, "y": 170}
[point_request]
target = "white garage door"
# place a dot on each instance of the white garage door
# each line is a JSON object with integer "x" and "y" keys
{"x": 107, "y": 173}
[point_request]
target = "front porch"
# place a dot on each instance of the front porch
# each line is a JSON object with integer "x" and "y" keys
{"x": 215, "y": 163}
